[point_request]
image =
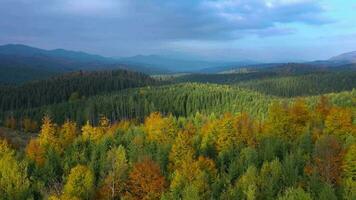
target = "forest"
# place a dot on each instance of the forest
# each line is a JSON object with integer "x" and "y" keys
{"x": 271, "y": 133}
{"x": 296, "y": 152}
{"x": 177, "y": 100}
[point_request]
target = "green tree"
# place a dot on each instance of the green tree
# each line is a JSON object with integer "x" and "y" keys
{"x": 114, "y": 181}
{"x": 295, "y": 194}
{"x": 248, "y": 183}
{"x": 270, "y": 179}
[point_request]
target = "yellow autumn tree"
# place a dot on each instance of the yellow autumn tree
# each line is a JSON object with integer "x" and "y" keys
{"x": 122, "y": 125}
{"x": 208, "y": 134}
{"x": 68, "y": 133}
{"x": 80, "y": 183}
{"x": 198, "y": 173}
{"x": 96, "y": 133}
{"x": 226, "y": 133}
{"x": 159, "y": 129}
{"x": 48, "y": 136}
{"x": 278, "y": 122}
{"x": 245, "y": 129}
{"x": 339, "y": 122}
{"x": 14, "y": 182}
{"x": 88, "y": 131}
{"x": 182, "y": 150}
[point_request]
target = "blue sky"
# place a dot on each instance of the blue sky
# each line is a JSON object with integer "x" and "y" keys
{"x": 263, "y": 30}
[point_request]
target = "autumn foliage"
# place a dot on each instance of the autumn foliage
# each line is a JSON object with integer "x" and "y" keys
{"x": 145, "y": 181}
{"x": 299, "y": 151}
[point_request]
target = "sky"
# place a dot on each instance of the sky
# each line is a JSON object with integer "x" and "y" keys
{"x": 226, "y": 30}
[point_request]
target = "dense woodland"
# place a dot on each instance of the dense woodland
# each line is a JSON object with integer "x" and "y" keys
{"x": 276, "y": 133}
{"x": 304, "y": 85}
{"x": 232, "y": 78}
{"x": 69, "y": 87}
{"x": 295, "y": 153}
{"x": 279, "y": 84}
{"x": 179, "y": 100}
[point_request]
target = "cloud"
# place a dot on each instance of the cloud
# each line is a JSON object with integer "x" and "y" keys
{"x": 86, "y": 7}
{"x": 137, "y": 24}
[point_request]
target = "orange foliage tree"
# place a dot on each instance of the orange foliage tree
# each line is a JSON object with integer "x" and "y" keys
{"x": 300, "y": 117}
{"x": 35, "y": 152}
{"x": 328, "y": 158}
{"x": 322, "y": 109}
{"x": 145, "y": 181}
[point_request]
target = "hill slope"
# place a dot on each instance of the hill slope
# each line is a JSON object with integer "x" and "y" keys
{"x": 304, "y": 85}
{"x": 69, "y": 86}
{"x": 179, "y": 99}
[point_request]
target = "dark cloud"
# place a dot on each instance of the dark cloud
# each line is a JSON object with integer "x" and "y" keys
{"x": 137, "y": 26}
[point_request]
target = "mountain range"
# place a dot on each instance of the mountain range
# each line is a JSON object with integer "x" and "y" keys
{"x": 20, "y": 63}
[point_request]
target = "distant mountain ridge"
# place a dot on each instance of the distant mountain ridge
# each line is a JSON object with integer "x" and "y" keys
{"x": 20, "y": 63}
{"x": 348, "y": 57}
{"x": 27, "y": 51}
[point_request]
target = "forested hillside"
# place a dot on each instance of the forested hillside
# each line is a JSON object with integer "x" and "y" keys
{"x": 14, "y": 70}
{"x": 230, "y": 78}
{"x": 304, "y": 85}
{"x": 179, "y": 100}
{"x": 295, "y": 153}
{"x": 284, "y": 83}
{"x": 69, "y": 87}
